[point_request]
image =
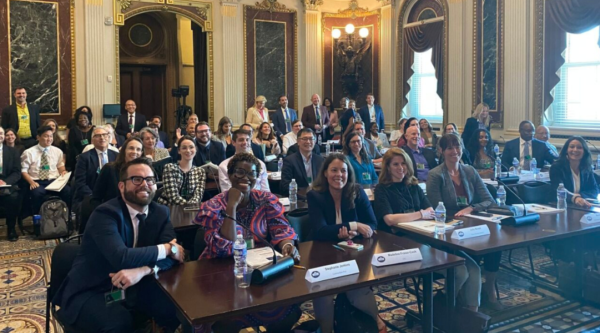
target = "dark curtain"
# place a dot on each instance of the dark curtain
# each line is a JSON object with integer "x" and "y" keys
{"x": 562, "y": 17}
{"x": 200, "y": 73}
{"x": 421, "y": 39}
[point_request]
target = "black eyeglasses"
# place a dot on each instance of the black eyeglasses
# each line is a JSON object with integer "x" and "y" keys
{"x": 241, "y": 173}
{"x": 137, "y": 180}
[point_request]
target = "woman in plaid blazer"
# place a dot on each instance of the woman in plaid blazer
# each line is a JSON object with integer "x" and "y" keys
{"x": 183, "y": 182}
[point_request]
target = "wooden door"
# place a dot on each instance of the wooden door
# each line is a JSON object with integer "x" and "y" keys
{"x": 145, "y": 85}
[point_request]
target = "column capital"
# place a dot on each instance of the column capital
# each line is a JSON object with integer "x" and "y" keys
{"x": 312, "y": 4}
{"x": 386, "y": 3}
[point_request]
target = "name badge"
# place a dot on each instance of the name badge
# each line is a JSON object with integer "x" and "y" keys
{"x": 470, "y": 232}
{"x": 45, "y": 167}
{"x": 98, "y": 171}
{"x": 131, "y": 126}
{"x": 420, "y": 166}
{"x": 114, "y": 297}
{"x": 308, "y": 179}
{"x": 84, "y": 142}
{"x": 396, "y": 257}
{"x": 590, "y": 218}
{"x": 366, "y": 176}
{"x": 24, "y": 117}
{"x": 332, "y": 271}
{"x": 0, "y": 169}
{"x": 462, "y": 201}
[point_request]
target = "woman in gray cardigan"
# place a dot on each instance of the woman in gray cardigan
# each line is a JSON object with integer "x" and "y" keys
{"x": 463, "y": 192}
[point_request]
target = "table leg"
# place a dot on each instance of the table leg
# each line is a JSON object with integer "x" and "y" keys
{"x": 450, "y": 298}
{"x": 186, "y": 327}
{"x": 427, "y": 321}
{"x": 579, "y": 269}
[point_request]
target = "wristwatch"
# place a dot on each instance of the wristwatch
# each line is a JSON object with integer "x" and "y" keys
{"x": 174, "y": 249}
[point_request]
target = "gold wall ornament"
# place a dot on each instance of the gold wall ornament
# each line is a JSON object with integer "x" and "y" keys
{"x": 203, "y": 9}
{"x": 203, "y": 12}
{"x": 312, "y": 4}
{"x": 353, "y": 11}
{"x": 270, "y": 5}
{"x": 124, "y": 4}
{"x": 386, "y": 2}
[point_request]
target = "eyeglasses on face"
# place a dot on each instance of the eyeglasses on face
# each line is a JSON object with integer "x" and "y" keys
{"x": 307, "y": 139}
{"x": 103, "y": 135}
{"x": 138, "y": 180}
{"x": 241, "y": 173}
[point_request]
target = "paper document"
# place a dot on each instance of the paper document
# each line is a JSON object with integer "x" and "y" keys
{"x": 274, "y": 175}
{"x": 494, "y": 218}
{"x": 490, "y": 182}
{"x": 423, "y": 225}
{"x": 284, "y": 201}
{"x": 370, "y": 194}
{"x": 270, "y": 158}
{"x": 540, "y": 209}
{"x": 260, "y": 257}
{"x": 60, "y": 183}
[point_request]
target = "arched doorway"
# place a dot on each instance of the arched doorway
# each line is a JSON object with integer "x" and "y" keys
{"x": 200, "y": 22}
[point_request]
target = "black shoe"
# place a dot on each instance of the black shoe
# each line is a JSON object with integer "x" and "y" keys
{"x": 13, "y": 236}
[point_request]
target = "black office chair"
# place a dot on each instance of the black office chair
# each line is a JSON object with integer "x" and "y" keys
{"x": 199, "y": 244}
{"x": 159, "y": 166}
{"x": 300, "y": 222}
{"x": 63, "y": 257}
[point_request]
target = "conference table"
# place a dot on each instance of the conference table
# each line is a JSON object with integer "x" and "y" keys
{"x": 206, "y": 291}
{"x": 550, "y": 227}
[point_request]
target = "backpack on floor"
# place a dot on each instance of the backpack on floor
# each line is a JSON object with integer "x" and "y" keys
{"x": 54, "y": 222}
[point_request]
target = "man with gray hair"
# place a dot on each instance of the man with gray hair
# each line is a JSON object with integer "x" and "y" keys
{"x": 542, "y": 133}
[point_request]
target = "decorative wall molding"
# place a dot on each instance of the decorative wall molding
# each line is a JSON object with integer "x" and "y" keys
{"x": 271, "y": 5}
{"x": 201, "y": 10}
{"x": 538, "y": 65}
{"x": 312, "y": 4}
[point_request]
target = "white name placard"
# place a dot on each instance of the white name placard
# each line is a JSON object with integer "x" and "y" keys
{"x": 396, "y": 257}
{"x": 470, "y": 232}
{"x": 331, "y": 271}
{"x": 590, "y": 218}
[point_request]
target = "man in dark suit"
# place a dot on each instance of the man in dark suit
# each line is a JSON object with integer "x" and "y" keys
{"x": 256, "y": 149}
{"x": 89, "y": 165}
{"x": 304, "y": 165}
{"x": 372, "y": 113}
{"x": 527, "y": 147}
{"x": 207, "y": 150}
{"x": 349, "y": 116}
{"x": 131, "y": 122}
{"x": 126, "y": 241}
{"x": 161, "y": 134}
{"x": 316, "y": 116}
{"x": 423, "y": 159}
{"x": 23, "y": 117}
{"x": 283, "y": 117}
{"x": 10, "y": 174}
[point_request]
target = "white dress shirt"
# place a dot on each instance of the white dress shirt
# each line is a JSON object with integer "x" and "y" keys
{"x": 308, "y": 167}
{"x": 91, "y": 146}
{"x": 262, "y": 182}
{"x": 372, "y": 114}
{"x": 32, "y": 158}
{"x": 1, "y": 159}
{"x": 289, "y": 140}
{"x": 522, "y": 152}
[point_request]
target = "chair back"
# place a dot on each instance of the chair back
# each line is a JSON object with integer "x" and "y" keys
{"x": 159, "y": 166}
{"x": 535, "y": 192}
{"x": 63, "y": 257}
{"x": 199, "y": 244}
{"x": 300, "y": 222}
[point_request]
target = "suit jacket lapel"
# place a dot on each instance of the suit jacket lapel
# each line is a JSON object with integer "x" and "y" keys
{"x": 127, "y": 225}
{"x": 6, "y": 162}
{"x": 302, "y": 168}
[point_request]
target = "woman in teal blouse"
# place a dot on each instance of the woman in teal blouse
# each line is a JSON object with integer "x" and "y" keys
{"x": 360, "y": 161}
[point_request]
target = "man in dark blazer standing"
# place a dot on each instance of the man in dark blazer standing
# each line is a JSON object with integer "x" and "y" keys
{"x": 316, "y": 116}
{"x": 527, "y": 147}
{"x": 207, "y": 150}
{"x": 131, "y": 122}
{"x": 282, "y": 118}
{"x": 372, "y": 112}
{"x": 89, "y": 165}
{"x": 303, "y": 166}
{"x": 164, "y": 138}
{"x": 126, "y": 241}
{"x": 23, "y": 118}
{"x": 10, "y": 174}
{"x": 423, "y": 159}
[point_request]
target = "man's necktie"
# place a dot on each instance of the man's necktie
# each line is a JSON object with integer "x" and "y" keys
{"x": 141, "y": 241}
{"x": 104, "y": 159}
{"x": 131, "y": 123}
{"x": 288, "y": 121}
{"x": 527, "y": 156}
{"x": 44, "y": 166}
{"x": 318, "y": 115}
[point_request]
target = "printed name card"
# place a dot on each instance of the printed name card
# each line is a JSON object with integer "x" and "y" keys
{"x": 396, "y": 257}
{"x": 332, "y": 271}
{"x": 590, "y": 218}
{"x": 464, "y": 233}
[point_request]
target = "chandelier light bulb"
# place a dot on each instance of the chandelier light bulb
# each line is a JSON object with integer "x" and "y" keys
{"x": 363, "y": 32}
{"x": 336, "y": 33}
{"x": 349, "y": 28}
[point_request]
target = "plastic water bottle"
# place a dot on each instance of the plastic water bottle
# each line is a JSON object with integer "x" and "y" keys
{"x": 293, "y": 192}
{"x": 501, "y": 194}
{"x": 319, "y": 139}
{"x": 515, "y": 164}
{"x": 279, "y": 164}
{"x": 598, "y": 162}
{"x": 534, "y": 169}
{"x": 561, "y": 197}
{"x": 327, "y": 149}
{"x": 239, "y": 254}
{"x": 496, "y": 150}
{"x": 498, "y": 171}
{"x": 440, "y": 219}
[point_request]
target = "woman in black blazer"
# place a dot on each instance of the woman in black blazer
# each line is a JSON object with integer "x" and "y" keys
{"x": 107, "y": 187}
{"x": 339, "y": 209}
{"x": 481, "y": 119}
{"x": 574, "y": 169}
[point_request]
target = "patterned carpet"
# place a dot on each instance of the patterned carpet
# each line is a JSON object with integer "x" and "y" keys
{"x": 25, "y": 267}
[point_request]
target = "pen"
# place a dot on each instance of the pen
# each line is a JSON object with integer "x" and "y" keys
{"x": 399, "y": 246}
{"x": 300, "y": 267}
{"x": 339, "y": 248}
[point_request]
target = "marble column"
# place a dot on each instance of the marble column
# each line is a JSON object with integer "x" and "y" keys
{"x": 387, "y": 76}
{"x": 313, "y": 63}
{"x": 94, "y": 58}
{"x": 233, "y": 70}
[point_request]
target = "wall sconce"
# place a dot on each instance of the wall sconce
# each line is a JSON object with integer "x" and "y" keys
{"x": 336, "y": 33}
{"x": 363, "y": 32}
{"x": 349, "y": 28}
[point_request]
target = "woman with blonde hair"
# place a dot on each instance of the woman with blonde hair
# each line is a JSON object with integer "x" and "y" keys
{"x": 259, "y": 113}
{"x": 481, "y": 119}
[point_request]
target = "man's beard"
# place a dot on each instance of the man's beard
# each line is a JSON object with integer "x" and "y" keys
{"x": 132, "y": 197}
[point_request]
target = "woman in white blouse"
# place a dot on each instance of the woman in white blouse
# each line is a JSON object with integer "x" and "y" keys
{"x": 258, "y": 113}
